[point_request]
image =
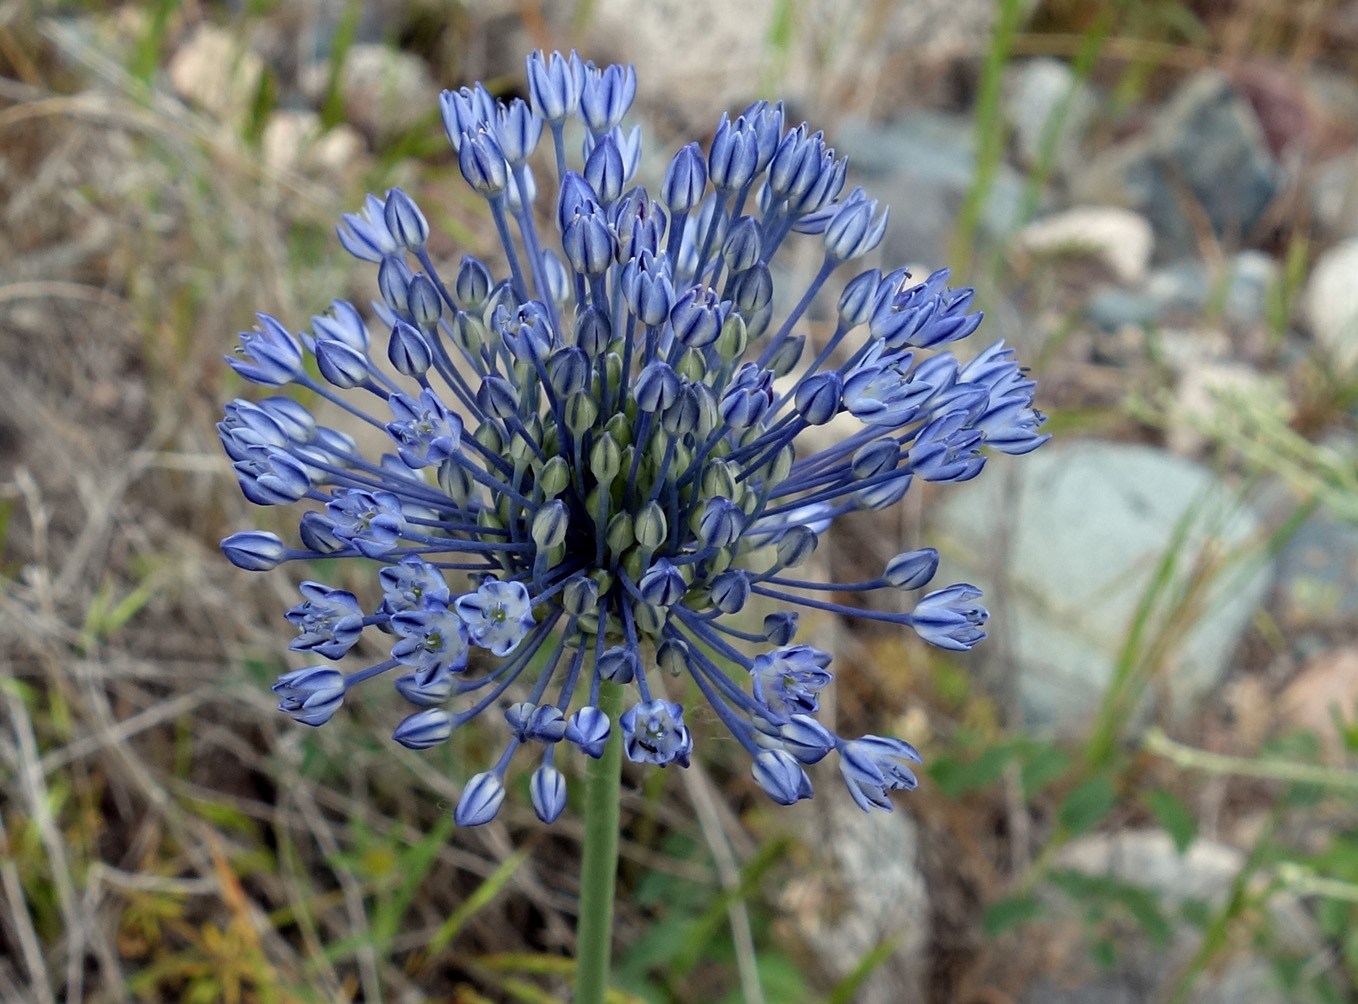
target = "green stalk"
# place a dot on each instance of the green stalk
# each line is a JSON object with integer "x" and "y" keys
{"x": 599, "y": 869}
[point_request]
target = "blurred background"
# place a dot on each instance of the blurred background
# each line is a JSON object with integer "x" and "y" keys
{"x": 1141, "y": 788}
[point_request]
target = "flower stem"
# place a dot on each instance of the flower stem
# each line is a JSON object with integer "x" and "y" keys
{"x": 599, "y": 869}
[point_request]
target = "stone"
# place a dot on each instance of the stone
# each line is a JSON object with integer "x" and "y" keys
{"x": 1205, "y": 158}
{"x": 1180, "y": 290}
{"x": 1199, "y": 393}
{"x": 866, "y": 885}
{"x": 1317, "y": 586}
{"x": 1111, "y": 308}
{"x": 1119, "y": 238}
{"x": 215, "y": 71}
{"x": 385, "y": 91}
{"x": 923, "y": 167}
{"x": 292, "y": 141}
{"x": 1038, "y": 89}
{"x": 1331, "y": 303}
{"x": 1325, "y": 686}
{"x": 1144, "y": 970}
{"x": 1085, "y": 524}
{"x": 837, "y": 48}
{"x": 1252, "y": 276}
{"x": 1334, "y": 194}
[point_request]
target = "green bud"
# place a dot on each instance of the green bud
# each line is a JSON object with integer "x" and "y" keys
{"x": 691, "y": 366}
{"x": 719, "y": 562}
{"x": 649, "y": 620}
{"x": 581, "y": 413}
{"x": 652, "y": 529}
{"x": 634, "y": 563}
{"x": 605, "y": 459}
{"x": 613, "y": 367}
{"x": 581, "y": 596}
{"x": 470, "y": 333}
{"x": 672, "y": 657}
{"x": 489, "y": 520}
{"x": 683, "y": 458}
{"x": 734, "y": 338}
{"x": 709, "y": 414}
{"x": 550, "y": 440}
{"x": 718, "y": 480}
{"x": 620, "y": 428}
{"x": 621, "y": 534}
{"x": 550, "y": 524}
{"x": 489, "y": 436}
{"x": 457, "y": 481}
{"x": 780, "y": 466}
{"x": 519, "y": 450}
{"x": 554, "y": 477}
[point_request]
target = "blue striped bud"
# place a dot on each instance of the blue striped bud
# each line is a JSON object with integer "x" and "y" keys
{"x": 404, "y": 221}
{"x": 742, "y": 248}
{"x": 856, "y": 302}
{"x": 480, "y": 800}
{"x": 588, "y": 241}
{"x": 554, "y": 85}
{"x": 912, "y": 569}
{"x": 662, "y": 585}
{"x": 685, "y": 180}
{"x": 606, "y": 95}
{"x": 341, "y": 365}
{"x": 781, "y": 627}
{"x": 465, "y": 110}
{"x": 721, "y": 523}
{"x": 656, "y": 387}
{"x": 423, "y": 300}
{"x": 473, "y": 284}
{"x": 393, "y": 280}
{"x": 408, "y": 350}
{"x": 548, "y": 792}
{"x": 483, "y": 162}
{"x": 254, "y": 550}
{"x": 617, "y": 665}
{"x": 517, "y": 129}
{"x": 604, "y": 170}
{"x": 589, "y": 729}
{"x": 733, "y": 156}
{"x": 424, "y": 729}
{"x": 781, "y": 777}
{"x": 818, "y": 398}
{"x": 730, "y": 590}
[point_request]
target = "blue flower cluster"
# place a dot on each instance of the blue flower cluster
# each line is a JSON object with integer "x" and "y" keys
{"x": 604, "y": 445}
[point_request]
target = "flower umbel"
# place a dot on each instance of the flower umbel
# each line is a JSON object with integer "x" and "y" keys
{"x": 606, "y": 443}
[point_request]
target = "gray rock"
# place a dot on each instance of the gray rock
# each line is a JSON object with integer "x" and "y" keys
{"x": 1317, "y": 585}
{"x": 1184, "y": 291}
{"x": 1253, "y": 274}
{"x": 923, "y": 166}
{"x": 1334, "y": 194}
{"x": 1086, "y": 524}
{"x": 700, "y": 57}
{"x": 1037, "y": 90}
{"x": 1207, "y": 148}
{"x": 386, "y": 91}
{"x": 1145, "y": 972}
{"x": 1331, "y": 303}
{"x": 1111, "y": 307}
{"x": 865, "y": 886}
{"x": 1180, "y": 290}
{"x": 1120, "y": 239}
